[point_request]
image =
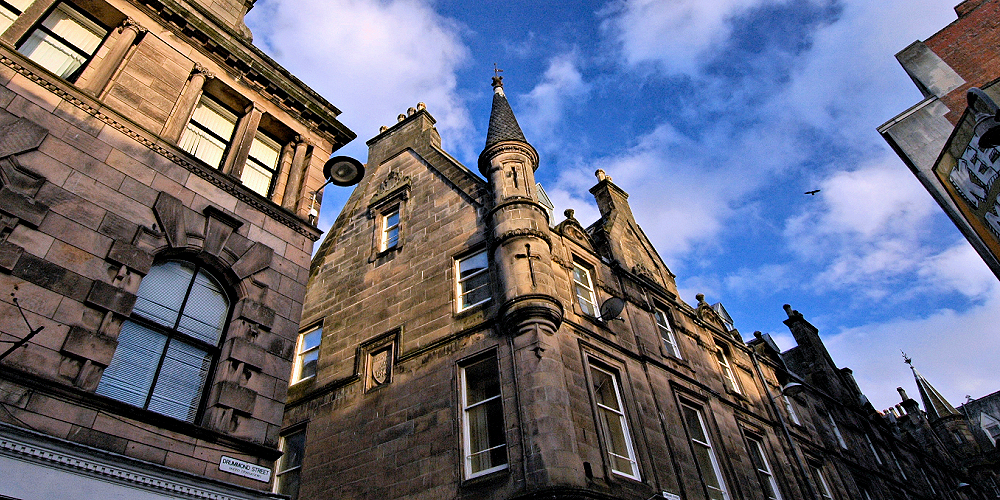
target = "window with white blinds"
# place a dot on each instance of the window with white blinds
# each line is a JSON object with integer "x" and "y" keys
{"x": 209, "y": 132}
{"x": 9, "y": 10}
{"x": 166, "y": 348}
{"x": 262, "y": 162}
{"x": 64, "y": 41}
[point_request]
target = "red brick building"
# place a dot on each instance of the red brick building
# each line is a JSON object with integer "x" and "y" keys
{"x": 156, "y": 172}
{"x": 933, "y": 136}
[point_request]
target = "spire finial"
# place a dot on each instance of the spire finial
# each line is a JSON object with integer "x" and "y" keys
{"x": 907, "y": 359}
{"x": 497, "y": 79}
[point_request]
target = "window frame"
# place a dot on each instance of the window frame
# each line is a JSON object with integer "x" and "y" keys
{"x": 821, "y": 483}
{"x": 282, "y": 471}
{"x": 254, "y": 163}
{"x": 466, "y": 429}
{"x": 460, "y": 292}
{"x": 9, "y": 7}
{"x": 705, "y": 445}
{"x": 215, "y": 105}
{"x": 603, "y": 423}
{"x": 729, "y": 379}
{"x": 48, "y": 33}
{"x": 835, "y": 429}
{"x": 871, "y": 446}
{"x": 301, "y": 352}
{"x": 755, "y": 445}
{"x": 662, "y": 319}
{"x": 174, "y": 334}
{"x": 589, "y": 288}
{"x": 789, "y": 406}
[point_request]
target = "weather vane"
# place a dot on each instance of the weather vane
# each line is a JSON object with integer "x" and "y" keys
{"x": 496, "y": 70}
{"x": 906, "y": 359}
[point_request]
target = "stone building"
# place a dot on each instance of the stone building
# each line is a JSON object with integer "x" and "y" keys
{"x": 936, "y": 137}
{"x": 458, "y": 342}
{"x": 156, "y": 172}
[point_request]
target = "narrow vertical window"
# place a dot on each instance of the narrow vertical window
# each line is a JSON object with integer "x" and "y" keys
{"x": 728, "y": 376}
{"x": 871, "y": 446}
{"x": 307, "y": 355}
{"x": 390, "y": 229}
{"x": 708, "y": 465}
{"x": 666, "y": 333}
{"x": 821, "y": 485}
{"x": 767, "y": 483}
{"x": 261, "y": 165}
{"x": 10, "y": 10}
{"x": 289, "y": 468}
{"x": 473, "y": 280}
{"x": 64, "y": 41}
{"x": 836, "y": 431}
{"x": 791, "y": 410}
{"x": 584, "y": 287}
{"x": 484, "y": 440}
{"x": 611, "y": 416}
{"x": 899, "y": 466}
{"x": 209, "y": 132}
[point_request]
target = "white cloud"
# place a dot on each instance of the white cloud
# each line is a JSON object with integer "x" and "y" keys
{"x": 674, "y": 34}
{"x": 562, "y": 86}
{"x": 951, "y": 350}
{"x": 372, "y": 59}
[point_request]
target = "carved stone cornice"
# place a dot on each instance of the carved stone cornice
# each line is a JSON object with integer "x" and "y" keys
{"x": 506, "y": 147}
{"x": 519, "y": 233}
{"x": 150, "y": 141}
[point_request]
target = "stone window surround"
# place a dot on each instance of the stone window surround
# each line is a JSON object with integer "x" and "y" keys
{"x": 594, "y": 361}
{"x": 765, "y": 471}
{"x": 478, "y": 249}
{"x": 378, "y": 209}
{"x": 300, "y": 353}
{"x": 820, "y": 481}
{"x": 668, "y": 317}
{"x": 698, "y": 408}
{"x": 725, "y": 360}
{"x": 482, "y": 356}
{"x": 589, "y": 269}
{"x": 37, "y": 25}
{"x": 281, "y": 469}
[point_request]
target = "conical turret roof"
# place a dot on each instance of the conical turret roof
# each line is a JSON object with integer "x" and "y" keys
{"x": 503, "y": 125}
{"x": 935, "y": 404}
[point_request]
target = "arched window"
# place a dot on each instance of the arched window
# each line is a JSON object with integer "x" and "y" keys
{"x": 166, "y": 348}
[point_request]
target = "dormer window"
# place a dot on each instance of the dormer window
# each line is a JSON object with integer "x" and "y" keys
{"x": 390, "y": 229}
{"x": 64, "y": 41}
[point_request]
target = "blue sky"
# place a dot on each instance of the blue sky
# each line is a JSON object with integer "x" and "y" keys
{"x": 716, "y": 116}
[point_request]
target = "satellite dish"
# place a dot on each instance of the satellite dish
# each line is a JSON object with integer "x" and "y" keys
{"x": 343, "y": 171}
{"x": 611, "y": 308}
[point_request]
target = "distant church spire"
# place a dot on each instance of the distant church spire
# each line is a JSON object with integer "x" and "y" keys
{"x": 503, "y": 125}
{"x": 935, "y": 404}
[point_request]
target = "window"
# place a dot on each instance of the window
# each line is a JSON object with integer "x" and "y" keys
{"x": 473, "y": 280}
{"x": 9, "y": 10}
{"x": 484, "y": 439}
{"x": 728, "y": 376}
{"x": 64, "y": 41}
{"x": 307, "y": 355}
{"x": 262, "y": 164}
{"x": 871, "y": 446}
{"x": 708, "y": 465}
{"x": 821, "y": 486}
{"x": 791, "y": 410}
{"x": 289, "y": 467}
{"x": 166, "y": 348}
{"x": 836, "y": 431}
{"x": 666, "y": 333}
{"x": 990, "y": 426}
{"x": 209, "y": 132}
{"x": 759, "y": 459}
{"x": 390, "y": 229}
{"x": 611, "y": 418}
{"x": 899, "y": 466}
{"x": 584, "y": 287}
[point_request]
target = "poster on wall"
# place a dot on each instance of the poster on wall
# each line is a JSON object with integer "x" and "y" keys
{"x": 968, "y": 172}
